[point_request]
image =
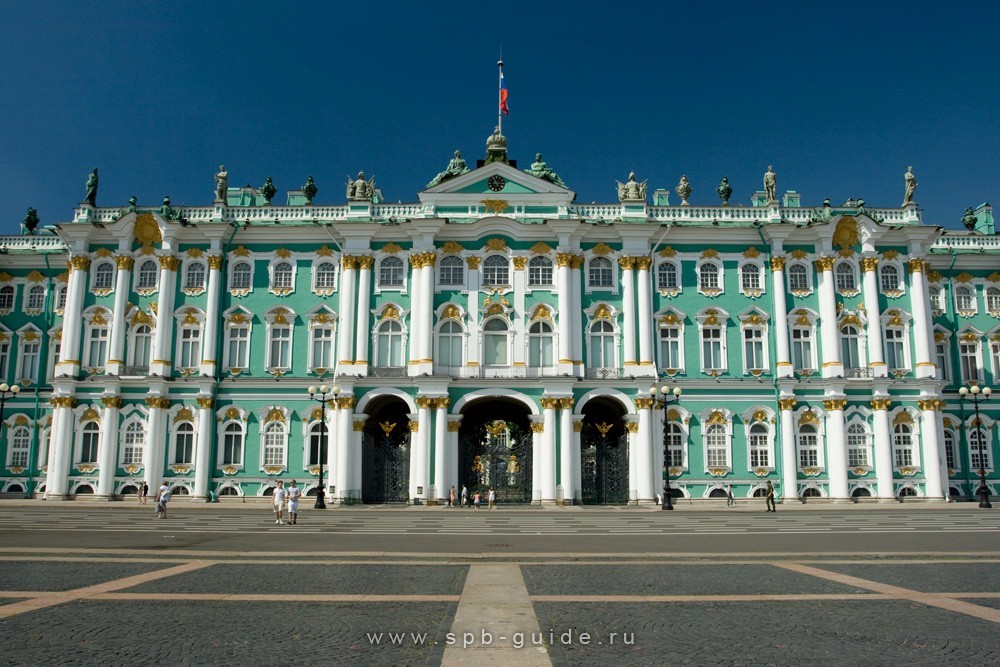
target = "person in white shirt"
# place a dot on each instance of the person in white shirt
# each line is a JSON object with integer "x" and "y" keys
{"x": 294, "y": 493}
{"x": 279, "y": 502}
{"x": 162, "y": 497}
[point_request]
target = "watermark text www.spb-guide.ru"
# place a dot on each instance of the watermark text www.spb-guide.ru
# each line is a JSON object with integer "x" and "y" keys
{"x": 550, "y": 637}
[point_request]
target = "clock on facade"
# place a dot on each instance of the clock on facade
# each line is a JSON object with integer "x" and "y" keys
{"x": 496, "y": 183}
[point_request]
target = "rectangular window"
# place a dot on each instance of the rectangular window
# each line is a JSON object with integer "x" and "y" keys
{"x": 239, "y": 347}
{"x": 753, "y": 348}
{"x": 717, "y": 454}
{"x": 802, "y": 355}
{"x": 28, "y": 367}
{"x": 808, "y": 452}
{"x": 894, "y": 357}
{"x": 281, "y": 348}
{"x": 759, "y": 454}
{"x": 711, "y": 349}
{"x": 5, "y": 358}
{"x": 97, "y": 351}
{"x": 670, "y": 348}
{"x": 969, "y": 355}
{"x": 994, "y": 352}
{"x": 322, "y": 352}
{"x": 941, "y": 361}
{"x": 190, "y": 348}
{"x": 857, "y": 448}
{"x": 979, "y": 451}
{"x": 849, "y": 353}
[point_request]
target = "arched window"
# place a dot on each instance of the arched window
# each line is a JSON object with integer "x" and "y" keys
{"x": 326, "y": 275}
{"x": 858, "y": 446}
{"x": 194, "y": 278}
{"x": 142, "y": 341}
{"x": 540, "y": 345}
{"x": 184, "y": 443}
{"x": 274, "y": 444}
{"x": 232, "y": 444}
{"x": 104, "y": 275}
{"x": 20, "y": 442}
{"x": 666, "y": 276}
{"x": 148, "y": 272}
{"x": 708, "y": 276}
{"x": 716, "y": 446}
{"x": 759, "y": 450}
{"x": 281, "y": 277}
{"x": 322, "y": 346}
{"x": 902, "y": 445}
{"x": 450, "y": 338}
{"x": 390, "y": 272}
{"x": 540, "y": 271}
{"x": 90, "y": 436}
{"x": 451, "y": 271}
{"x": 496, "y": 270}
{"x": 600, "y": 273}
{"x": 602, "y": 345}
{"x": 389, "y": 344}
{"x": 798, "y": 278}
{"x": 241, "y": 276}
{"x": 133, "y": 443}
{"x": 6, "y": 297}
{"x": 993, "y": 299}
{"x": 36, "y": 298}
{"x": 950, "y": 452}
{"x": 495, "y": 337}
{"x": 675, "y": 445}
{"x": 808, "y": 446}
{"x": 845, "y": 277}
{"x": 319, "y": 437}
{"x": 850, "y": 349}
{"x": 750, "y": 277}
{"x": 889, "y": 278}
{"x": 812, "y": 492}
{"x": 964, "y": 298}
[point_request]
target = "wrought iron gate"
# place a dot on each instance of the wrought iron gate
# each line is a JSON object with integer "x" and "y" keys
{"x": 604, "y": 463}
{"x": 497, "y": 455}
{"x": 385, "y": 466}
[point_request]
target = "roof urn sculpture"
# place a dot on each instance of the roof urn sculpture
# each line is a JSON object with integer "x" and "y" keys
{"x": 221, "y": 184}
{"x": 683, "y": 190}
{"x": 540, "y": 169}
{"x": 31, "y": 220}
{"x": 92, "y": 181}
{"x": 770, "y": 184}
{"x": 725, "y": 191}
{"x": 910, "y": 186}
{"x": 496, "y": 147}
{"x": 359, "y": 189}
{"x": 310, "y": 189}
{"x": 969, "y": 219}
{"x": 132, "y": 202}
{"x": 268, "y": 189}
{"x": 631, "y": 190}
{"x": 456, "y": 167}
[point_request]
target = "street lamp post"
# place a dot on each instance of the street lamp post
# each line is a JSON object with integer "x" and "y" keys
{"x": 662, "y": 396}
{"x": 977, "y": 395}
{"x": 5, "y": 393}
{"x": 323, "y": 392}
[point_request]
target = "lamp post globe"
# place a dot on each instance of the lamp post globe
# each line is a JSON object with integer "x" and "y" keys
{"x": 977, "y": 395}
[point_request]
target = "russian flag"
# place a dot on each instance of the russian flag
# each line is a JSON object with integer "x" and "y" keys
{"x": 503, "y": 95}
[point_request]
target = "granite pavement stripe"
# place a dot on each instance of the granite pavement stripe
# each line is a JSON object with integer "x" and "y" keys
{"x": 280, "y": 598}
{"x": 951, "y": 604}
{"x": 776, "y": 597}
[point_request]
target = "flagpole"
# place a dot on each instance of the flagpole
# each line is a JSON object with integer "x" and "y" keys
{"x": 500, "y": 93}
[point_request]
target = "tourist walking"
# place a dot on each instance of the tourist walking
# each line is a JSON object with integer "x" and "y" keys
{"x": 451, "y": 497}
{"x": 730, "y": 498}
{"x": 465, "y": 495}
{"x": 143, "y": 492}
{"x": 769, "y": 498}
{"x": 491, "y": 499}
{"x": 477, "y": 500}
{"x": 162, "y": 498}
{"x": 278, "y": 496}
{"x": 294, "y": 493}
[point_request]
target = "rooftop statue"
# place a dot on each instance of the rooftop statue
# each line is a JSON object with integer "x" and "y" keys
{"x": 132, "y": 201}
{"x": 456, "y": 167}
{"x": 31, "y": 220}
{"x": 496, "y": 147}
{"x": 969, "y": 219}
{"x": 540, "y": 169}
{"x": 268, "y": 189}
{"x": 725, "y": 191}
{"x": 910, "y": 181}
{"x": 92, "y": 188}
{"x": 770, "y": 184}
{"x": 359, "y": 189}
{"x": 684, "y": 189}
{"x": 221, "y": 184}
{"x": 631, "y": 190}
{"x": 310, "y": 189}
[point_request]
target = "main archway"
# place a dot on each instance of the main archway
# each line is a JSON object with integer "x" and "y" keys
{"x": 385, "y": 451}
{"x": 494, "y": 449}
{"x": 604, "y": 453}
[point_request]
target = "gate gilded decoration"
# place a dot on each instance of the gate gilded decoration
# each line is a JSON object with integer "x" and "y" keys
{"x": 498, "y": 455}
{"x": 604, "y": 463}
{"x": 386, "y": 464}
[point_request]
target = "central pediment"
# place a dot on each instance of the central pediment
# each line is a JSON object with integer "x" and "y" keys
{"x": 497, "y": 180}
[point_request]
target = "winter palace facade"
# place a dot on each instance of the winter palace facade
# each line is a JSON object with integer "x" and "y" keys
{"x": 496, "y": 333}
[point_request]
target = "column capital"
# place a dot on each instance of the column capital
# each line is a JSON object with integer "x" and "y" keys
{"x": 787, "y": 403}
{"x": 365, "y": 261}
{"x": 455, "y": 426}
{"x": 204, "y": 402}
{"x": 881, "y": 403}
{"x": 778, "y": 263}
{"x": 79, "y": 263}
{"x": 549, "y": 403}
{"x": 124, "y": 262}
{"x": 161, "y": 402}
{"x": 917, "y": 265}
{"x": 627, "y": 263}
{"x": 642, "y": 262}
{"x": 536, "y": 427}
{"x": 577, "y": 262}
{"x": 472, "y": 261}
{"x": 440, "y": 403}
{"x": 63, "y": 402}
{"x": 564, "y": 259}
{"x": 566, "y": 403}
{"x": 112, "y": 401}
{"x": 358, "y": 425}
{"x": 424, "y": 402}
{"x": 643, "y": 402}
{"x": 825, "y": 263}
{"x": 345, "y": 402}
{"x": 869, "y": 264}
{"x": 348, "y": 262}
{"x": 632, "y": 427}
{"x": 935, "y": 404}
{"x": 215, "y": 262}
{"x": 832, "y": 404}
{"x": 169, "y": 262}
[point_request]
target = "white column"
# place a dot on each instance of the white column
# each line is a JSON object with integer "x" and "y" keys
{"x": 203, "y": 463}
{"x": 340, "y": 474}
{"x": 69, "y": 353}
{"x": 869, "y": 283}
{"x": 783, "y": 366}
{"x": 441, "y": 453}
{"x": 472, "y": 308}
{"x": 60, "y": 448}
{"x": 212, "y": 317}
{"x": 565, "y": 303}
{"x": 156, "y": 433}
{"x": 363, "y": 335}
{"x": 576, "y": 449}
{"x": 547, "y": 481}
{"x": 354, "y": 454}
{"x": 829, "y": 334}
{"x": 116, "y": 354}
{"x": 345, "y": 341}
{"x": 836, "y": 447}
{"x": 566, "y": 438}
{"x": 332, "y": 432}
{"x": 537, "y": 428}
{"x": 931, "y": 451}
{"x": 789, "y": 465}
{"x": 925, "y": 367}
{"x": 451, "y": 474}
{"x": 628, "y": 316}
{"x": 420, "y": 451}
{"x": 647, "y": 366}
{"x": 427, "y": 313}
{"x": 577, "y": 315}
{"x": 883, "y": 447}
{"x": 645, "y": 490}
{"x": 632, "y": 431}
{"x": 416, "y": 320}
{"x": 163, "y": 339}
{"x": 109, "y": 446}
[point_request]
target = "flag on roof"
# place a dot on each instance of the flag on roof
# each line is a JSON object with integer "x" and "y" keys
{"x": 503, "y": 95}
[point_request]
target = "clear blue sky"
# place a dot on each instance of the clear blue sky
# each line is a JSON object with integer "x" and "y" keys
{"x": 840, "y": 97}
